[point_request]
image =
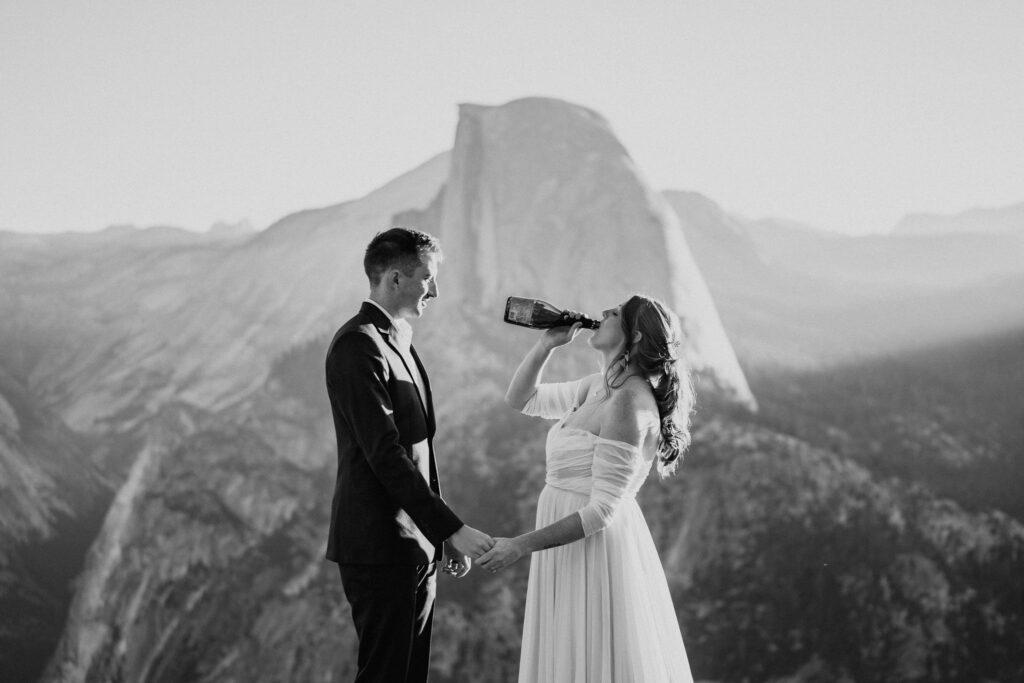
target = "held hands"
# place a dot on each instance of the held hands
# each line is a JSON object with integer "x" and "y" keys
{"x": 505, "y": 552}
{"x": 470, "y": 542}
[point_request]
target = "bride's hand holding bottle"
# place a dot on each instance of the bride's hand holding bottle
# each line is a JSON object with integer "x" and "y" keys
{"x": 560, "y": 336}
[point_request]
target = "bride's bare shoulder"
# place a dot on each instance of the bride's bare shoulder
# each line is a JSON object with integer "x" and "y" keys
{"x": 634, "y": 403}
{"x": 638, "y": 392}
{"x": 625, "y": 415}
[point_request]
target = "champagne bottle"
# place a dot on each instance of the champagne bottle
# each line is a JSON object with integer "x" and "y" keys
{"x": 541, "y": 315}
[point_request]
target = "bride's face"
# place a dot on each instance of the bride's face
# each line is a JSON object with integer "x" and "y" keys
{"x": 610, "y": 336}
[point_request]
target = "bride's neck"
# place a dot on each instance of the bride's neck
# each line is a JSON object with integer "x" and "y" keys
{"x": 618, "y": 371}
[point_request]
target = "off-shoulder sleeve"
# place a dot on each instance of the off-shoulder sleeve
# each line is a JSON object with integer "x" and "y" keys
{"x": 614, "y": 465}
{"x": 552, "y": 401}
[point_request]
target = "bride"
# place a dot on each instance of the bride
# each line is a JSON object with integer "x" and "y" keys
{"x": 598, "y": 607}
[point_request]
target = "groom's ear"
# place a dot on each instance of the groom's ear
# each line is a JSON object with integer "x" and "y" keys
{"x": 394, "y": 277}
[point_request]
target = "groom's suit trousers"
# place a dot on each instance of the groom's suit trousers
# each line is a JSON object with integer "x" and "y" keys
{"x": 392, "y": 608}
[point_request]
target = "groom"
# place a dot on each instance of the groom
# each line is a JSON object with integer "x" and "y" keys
{"x": 388, "y": 521}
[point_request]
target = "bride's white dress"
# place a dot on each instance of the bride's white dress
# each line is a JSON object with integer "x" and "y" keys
{"x": 597, "y": 610}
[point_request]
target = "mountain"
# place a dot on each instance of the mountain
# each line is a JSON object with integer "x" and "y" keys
{"x": 791, "y": 562}
{"x": 542, "y": 199}
{"x": 187, "y": 379}
{"x": 791, "y": 294}
{"x": 1008, "y": 220}
{"x": 939, "y": 263}
{"x": 51, "y": 505}
{"x": 951, "y": 411}
{"x": 226, "y": 230}
{"x": 114, "y": 328}
{"x": 722, "y": 243}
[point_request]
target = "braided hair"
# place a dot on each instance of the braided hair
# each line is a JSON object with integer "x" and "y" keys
{"x": 659, "y": 358}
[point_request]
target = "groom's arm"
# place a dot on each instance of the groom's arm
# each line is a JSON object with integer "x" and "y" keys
{"x": 358, "y": 378}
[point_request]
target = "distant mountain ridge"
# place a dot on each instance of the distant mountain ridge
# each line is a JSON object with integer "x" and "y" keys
{"x": 802, "y": 296}
{"x": 114, "y": 330}
{"x": 1007, "y": 220}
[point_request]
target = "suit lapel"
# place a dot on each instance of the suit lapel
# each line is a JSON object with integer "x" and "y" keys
{"x": 427, "y": 400}
{"x": 408, "y": 370}
{"x": 383, "y": 325}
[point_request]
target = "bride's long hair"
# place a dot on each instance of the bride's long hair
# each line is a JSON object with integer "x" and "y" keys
{"x": 658, "y": 355}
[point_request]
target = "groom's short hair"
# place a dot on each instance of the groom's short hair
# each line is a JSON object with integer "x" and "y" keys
{"x": 401, "y": 247}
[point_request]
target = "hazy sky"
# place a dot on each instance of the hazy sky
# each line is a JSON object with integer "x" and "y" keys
{"x": 844, "y": 115}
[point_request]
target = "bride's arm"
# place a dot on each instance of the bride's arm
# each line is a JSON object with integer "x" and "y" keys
{"x": 621, "y": 424}
{"x": 527, "y": 376}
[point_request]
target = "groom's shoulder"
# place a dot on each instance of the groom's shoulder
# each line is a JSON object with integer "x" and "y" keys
{"x": 360, "y": 323}
{"x": 359, "y": 333}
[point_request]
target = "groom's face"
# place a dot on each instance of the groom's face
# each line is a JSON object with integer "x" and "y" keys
{"x": 416, "y": 289}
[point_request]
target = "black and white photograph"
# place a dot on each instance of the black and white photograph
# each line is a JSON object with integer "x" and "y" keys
{"x": 512, "y": 342}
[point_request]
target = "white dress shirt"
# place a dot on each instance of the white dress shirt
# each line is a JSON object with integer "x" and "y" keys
{"x": 401, "y": 335}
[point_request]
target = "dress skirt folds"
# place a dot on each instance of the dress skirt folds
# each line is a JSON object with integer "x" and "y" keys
{"x": 597, "y": 610}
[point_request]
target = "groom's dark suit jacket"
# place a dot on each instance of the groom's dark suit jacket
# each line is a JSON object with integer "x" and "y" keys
{"x": 387, "y": 506}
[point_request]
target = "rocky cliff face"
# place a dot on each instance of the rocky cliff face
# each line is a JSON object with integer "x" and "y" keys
{"x": 543, "y": 200}
{"x": 51, "y": 502}
{"x": 208, "y": 566}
